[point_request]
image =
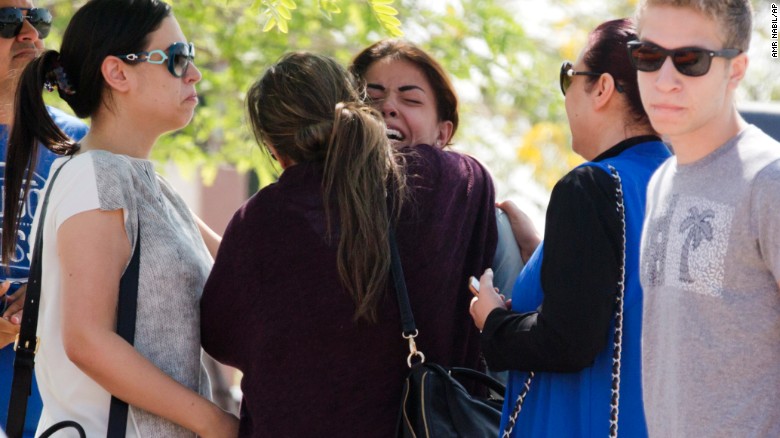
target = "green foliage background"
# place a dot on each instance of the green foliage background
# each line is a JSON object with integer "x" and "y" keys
{"x": 512, "y": 116}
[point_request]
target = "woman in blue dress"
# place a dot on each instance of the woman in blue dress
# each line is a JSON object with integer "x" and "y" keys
{"x": 562, "y": 317}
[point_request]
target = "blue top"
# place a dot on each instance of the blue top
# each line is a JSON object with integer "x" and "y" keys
{"x": 577, "y": 404}
{"x": 20, "y": 263}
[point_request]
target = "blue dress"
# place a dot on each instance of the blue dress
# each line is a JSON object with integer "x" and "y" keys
{"x": 578, "y": 404}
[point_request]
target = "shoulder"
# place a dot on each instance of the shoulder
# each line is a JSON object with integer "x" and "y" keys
{"x": 445, "y": 166}
{"x": 583, "y": 189}
{"x": 73, "y": 181}
{"x": 589, "y": 178}
{"x": 110, "y": 167}
{"x": 78, "y": 167}
{"x": 111, "y": 176}
{"x": 755, "y": 149}
{"x": 265, "y": 205}
{"x": 75, "y": 128}
{"x": 766, "y": 184}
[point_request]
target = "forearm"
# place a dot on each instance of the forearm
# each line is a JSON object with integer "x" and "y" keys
{"x": 515, "y": 341}
{"x": 118, "y": 367}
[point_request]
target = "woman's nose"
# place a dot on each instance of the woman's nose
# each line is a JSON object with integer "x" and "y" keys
{"x": 388, "y": 108}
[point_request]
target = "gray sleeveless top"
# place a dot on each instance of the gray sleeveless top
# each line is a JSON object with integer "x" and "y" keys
{"x": 173, "y": 270}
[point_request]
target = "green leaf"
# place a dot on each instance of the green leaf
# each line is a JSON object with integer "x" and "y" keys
{"x": 255, "y": 8}
{"x": 384, "y": 10}
{"x": 284, "y": 13}
{"x": 269, "y": 24}
{"x": 389, "y": 21}
{"x": 289, "y": 4}
{"x": 330, "y": 6}
{"x": 282, "y": 25}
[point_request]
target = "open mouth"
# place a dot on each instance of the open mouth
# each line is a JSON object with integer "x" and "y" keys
{"x": 394, "y": 134}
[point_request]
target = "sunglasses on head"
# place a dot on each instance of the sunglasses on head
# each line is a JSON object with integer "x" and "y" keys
{"x": 179, "y": 57}
{"x": 690, "y": 61}
{"x": 12, "y": 20}
{"x": 568, "y": 73}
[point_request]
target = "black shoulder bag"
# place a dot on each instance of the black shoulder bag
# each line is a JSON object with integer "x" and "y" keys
{"x": 434, "y": 403}
{"x": 27, "y": 342}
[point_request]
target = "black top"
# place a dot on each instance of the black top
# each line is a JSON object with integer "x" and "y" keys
{"x": 572, "y": 326}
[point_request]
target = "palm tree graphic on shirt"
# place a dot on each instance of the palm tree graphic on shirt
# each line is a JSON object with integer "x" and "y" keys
{"x": 698, "y": 227}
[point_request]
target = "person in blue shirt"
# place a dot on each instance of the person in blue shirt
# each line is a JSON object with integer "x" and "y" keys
{"x": 22, "y": 30}
{"x": 562, "y": 318}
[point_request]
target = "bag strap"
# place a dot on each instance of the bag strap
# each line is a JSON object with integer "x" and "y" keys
{"x": 127, "y": 305}
{"x": 408, "y": 328}
{"x": 64, "y": 425}
{"x": 618, "y": 339}
{"x": 27, "y": 343}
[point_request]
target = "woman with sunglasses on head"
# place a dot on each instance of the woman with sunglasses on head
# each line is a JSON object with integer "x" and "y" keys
{"x": 300, "y": 299}
{"x": 562, "y": 320}
{"x": 126, "y": 65}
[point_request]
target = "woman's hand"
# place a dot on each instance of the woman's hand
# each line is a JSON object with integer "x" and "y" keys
{"x": 225, "y": 425}
{"x": 11, "y": 316}
{"x": 487, "y": 301}
{"x": 524, "y": 230}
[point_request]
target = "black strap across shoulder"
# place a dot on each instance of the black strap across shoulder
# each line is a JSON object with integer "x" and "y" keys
{"x": 27, "y": 344}
{"x": 407, "y": 318}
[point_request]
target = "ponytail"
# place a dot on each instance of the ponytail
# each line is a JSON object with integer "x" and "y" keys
{"x": 306, "y": 106}
{"x": 32, "y": 125}
{"x": 359, "y": 167}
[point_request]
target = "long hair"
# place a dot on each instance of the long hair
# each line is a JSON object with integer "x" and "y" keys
{"x": 99, "y": 29}
{"x": 307, "y": 108}
{"x": 446, "y": 98}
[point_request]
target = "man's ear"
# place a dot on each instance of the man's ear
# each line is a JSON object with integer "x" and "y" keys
{"x": 738, "y": 69}
{"x": 115, "y": 73}
{"x": 603, "y": 90}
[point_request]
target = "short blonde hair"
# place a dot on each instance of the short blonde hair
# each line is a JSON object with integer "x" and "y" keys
{"x": 735, "y": 17}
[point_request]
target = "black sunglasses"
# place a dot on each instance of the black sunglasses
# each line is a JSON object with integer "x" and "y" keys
{"x": 568, "y": 72}
{"x": 179, "y": 57}
{"x": 12, "y": 20}
{"x": 690, "y": 61}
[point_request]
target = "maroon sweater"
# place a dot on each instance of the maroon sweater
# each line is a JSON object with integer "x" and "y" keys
{"x": 275, "y": 309}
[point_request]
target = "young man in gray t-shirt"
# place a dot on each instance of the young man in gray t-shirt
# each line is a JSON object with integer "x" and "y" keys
{"x": 710, "y": 259}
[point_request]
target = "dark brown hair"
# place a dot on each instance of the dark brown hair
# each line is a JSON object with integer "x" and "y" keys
{"x": 446, "y": 99}
{"x": 606, "y": 53}
{"x": 307, "y": 107}
{"x": 99, "y": 29}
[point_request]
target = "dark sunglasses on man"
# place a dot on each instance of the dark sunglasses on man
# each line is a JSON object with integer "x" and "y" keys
{"x": 12, "y": 20}
{"x": 690, "y": 61}
{"x": 179, "y": 57}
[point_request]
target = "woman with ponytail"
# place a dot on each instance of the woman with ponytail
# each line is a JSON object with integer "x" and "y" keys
{"x": 127, "y": 66}
{"x": 299, "y": 298}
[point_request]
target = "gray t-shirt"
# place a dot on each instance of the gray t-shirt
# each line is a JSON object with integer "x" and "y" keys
{"x": 710, "y": 266}
{"x": 173, "y": 270}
